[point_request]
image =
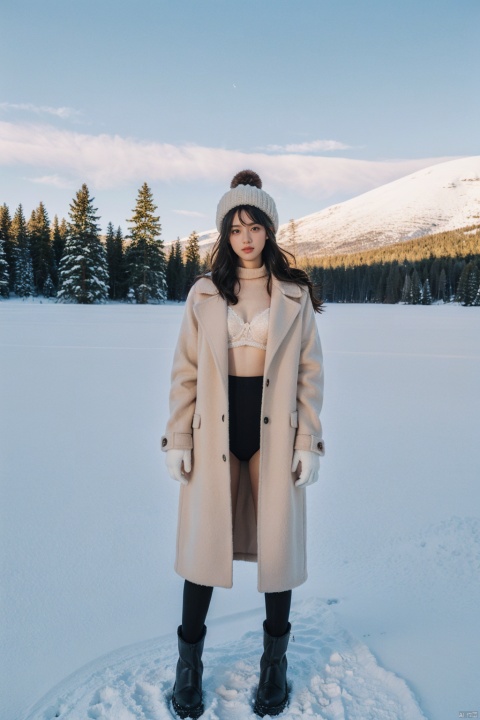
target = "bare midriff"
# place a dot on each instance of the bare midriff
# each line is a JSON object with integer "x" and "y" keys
{"x": 246, "y": 361}
{"x": 253, "y": 298}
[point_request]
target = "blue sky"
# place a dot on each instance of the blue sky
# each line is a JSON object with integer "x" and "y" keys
{"x": 325, "y": 100}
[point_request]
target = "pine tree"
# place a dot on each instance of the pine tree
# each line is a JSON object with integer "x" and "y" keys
{"x": 207, "y": 262}
{"x": 145, "y": 256}
{"x": 471, "y": 286}
{"x": 442, "y": 285}
{"x": 49, "y": 288}
{"x": 168, "y": 272}
{"x": 58, "y": 239}
{"x": 393, "y": 287}
{"x": 364, "y": 286}
{"x": 192, "y": 261}
{"x": 292, "y": 235}
{"x": 426, "y": 294}
{"x": 476, "y": 302}
{"x": 41, "y": 247}
{"x": 462, "y": 280}
{"x": 83, "y": 273}
{"x": 109, "y": 241}
{"x": 4, "y": 274}
{"x": 8, "y": 246}
{"x": 23, "y": 257}
{"x": 179, "y": 271}
{"x": 406, "y": 290}
{"x": 176, "y": 272}
{"x": 114, "y": 247}
{"x": 416, "y": 291}
{"x": 381, "y": 287}
{"x": 435, "y": 278}
{"x": 121, "y": 279}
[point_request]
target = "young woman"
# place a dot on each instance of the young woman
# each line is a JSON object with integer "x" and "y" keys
{"x": 244, "y": 435}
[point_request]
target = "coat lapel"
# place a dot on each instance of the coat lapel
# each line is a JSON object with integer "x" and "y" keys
{"x": 211, "y": 311}
{"x": 284, "y": 308}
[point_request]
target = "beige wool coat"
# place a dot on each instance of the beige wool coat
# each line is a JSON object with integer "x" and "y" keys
{"x": 208, "y": 538}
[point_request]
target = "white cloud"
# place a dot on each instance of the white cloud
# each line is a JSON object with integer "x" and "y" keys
{"x": 308, "y": 147}
{"x": 110, "y": 161}
{"x": 189, "y": 213}
{"x": 61, "y": 112}
{"x": 53, "y": 180}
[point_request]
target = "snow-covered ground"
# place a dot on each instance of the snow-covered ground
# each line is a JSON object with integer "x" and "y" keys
{"x": 387, "y": 625}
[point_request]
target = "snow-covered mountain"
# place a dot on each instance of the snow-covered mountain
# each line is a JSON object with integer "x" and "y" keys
{"x": 440, "y": 197}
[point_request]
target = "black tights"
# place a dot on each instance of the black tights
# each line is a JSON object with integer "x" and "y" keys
{"x": 196, "y": 601}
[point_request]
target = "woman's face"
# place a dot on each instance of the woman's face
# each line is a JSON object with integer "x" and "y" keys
{"x": 247, "y": 240}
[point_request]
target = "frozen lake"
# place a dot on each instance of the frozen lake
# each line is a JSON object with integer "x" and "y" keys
{"x": 387, "y": 625}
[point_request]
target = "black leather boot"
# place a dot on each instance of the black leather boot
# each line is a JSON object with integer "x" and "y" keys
{"x": 187, "y": 692}
{"x": 272, "y": 693}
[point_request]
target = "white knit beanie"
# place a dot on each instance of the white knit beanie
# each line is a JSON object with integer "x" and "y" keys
{"x": 247, "y": 190}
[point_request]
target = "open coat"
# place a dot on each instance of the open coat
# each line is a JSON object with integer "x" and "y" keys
{"x": 208, "y": 538}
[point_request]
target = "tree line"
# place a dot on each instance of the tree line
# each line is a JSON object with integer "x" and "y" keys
{"x": 442, "y": 267}
{"x": 69, "y": 261}
{"x": 418, "y": 283}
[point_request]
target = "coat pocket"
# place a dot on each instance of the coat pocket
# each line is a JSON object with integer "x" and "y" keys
{"x": 294, "y": 419}
{"x": 196, "y": 420}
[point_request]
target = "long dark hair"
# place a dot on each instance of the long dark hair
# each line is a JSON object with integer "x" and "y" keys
{"x": 224, "y": 260}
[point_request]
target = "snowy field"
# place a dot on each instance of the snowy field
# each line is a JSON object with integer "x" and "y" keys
{"x": 387, "y": 625}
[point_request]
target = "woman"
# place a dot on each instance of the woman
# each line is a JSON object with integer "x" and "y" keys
{"x": 245, "y": 399}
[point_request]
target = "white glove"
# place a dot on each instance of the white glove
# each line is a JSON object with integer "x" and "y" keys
{"x": 310, "y": 467}
{"x": 174, "y": 459}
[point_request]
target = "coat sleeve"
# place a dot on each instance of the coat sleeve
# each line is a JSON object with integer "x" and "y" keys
{"x": 183, "y": 383}
{"x": 310, "y": 386}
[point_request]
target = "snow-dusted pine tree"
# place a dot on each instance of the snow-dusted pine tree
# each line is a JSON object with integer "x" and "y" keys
{"x": 476, "y": 301}
{"x": 4, "y": 275}
{"x": 83, "y": 274}
{"x": 426, "y": 293}
{"x": 49, "y": 288}
{"x": 145, "y": 256}
{"x": 6, "y": 235}
{"x": 23, "y": 257}
{"x": 472, "y": 285}
{"x": 192, "y": 261}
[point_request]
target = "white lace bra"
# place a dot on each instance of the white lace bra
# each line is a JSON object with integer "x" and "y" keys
{"x": 253, "y": 333}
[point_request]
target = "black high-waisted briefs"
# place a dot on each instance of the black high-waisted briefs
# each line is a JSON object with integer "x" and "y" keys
{"x": 245, "y": 405}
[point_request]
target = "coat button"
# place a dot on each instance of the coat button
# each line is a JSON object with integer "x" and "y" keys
{"x": 268, "y": 382}
{"x": 265, "y": 420}
{"x": 164, "y": 442}
{"x": 319, "y": 445}
{"x": 223, "y": 418}
{"x": 224, "y": 457}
